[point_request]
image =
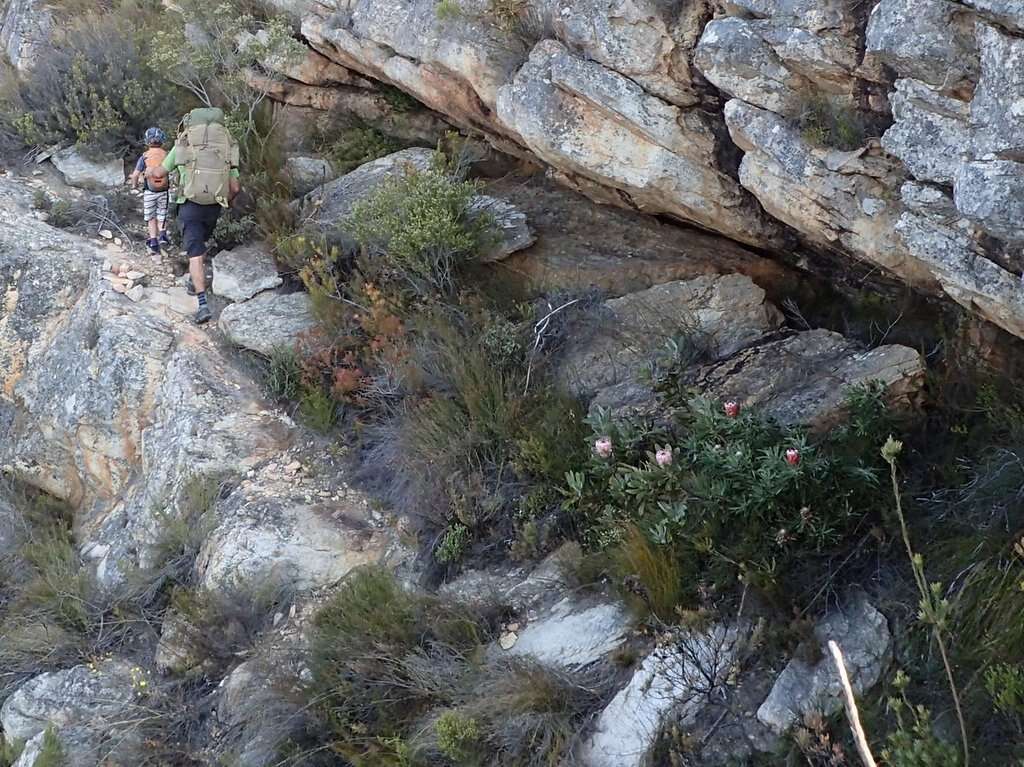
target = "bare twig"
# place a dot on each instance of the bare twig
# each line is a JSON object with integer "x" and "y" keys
{"x": 539, "y": 329}
{"x": 851, "y": 707}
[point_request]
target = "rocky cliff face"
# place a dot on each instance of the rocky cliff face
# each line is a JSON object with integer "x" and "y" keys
{"x": 712, "y": 113}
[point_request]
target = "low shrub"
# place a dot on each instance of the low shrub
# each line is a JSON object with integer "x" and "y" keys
{"x": 318, "y": 408}
{"x": 240, "y": 614}
{"x": 282, "y": 377}
{"x": 649, "y": 575}
{"x": 417, "y": 231}
{"x": 381, "y": 657}
{"x": 830, "y": 124}
{"x": 736, "y": 495}
{"x": 913, "y": 743}
{"x": 94, "y": 86}
{"x": 359, "y": 145}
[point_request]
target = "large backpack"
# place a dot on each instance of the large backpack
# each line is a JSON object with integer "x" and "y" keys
{"x": 154, "y": 158}
{"x": 208, "y": 153}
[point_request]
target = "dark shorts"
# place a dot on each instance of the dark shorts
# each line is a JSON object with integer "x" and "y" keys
{"x": 197, "y": 224}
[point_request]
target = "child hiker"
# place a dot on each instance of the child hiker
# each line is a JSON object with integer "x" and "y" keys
{"x": 156, "y": 196}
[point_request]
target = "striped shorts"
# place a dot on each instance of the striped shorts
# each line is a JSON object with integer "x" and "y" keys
{"x": 154, "y": 205}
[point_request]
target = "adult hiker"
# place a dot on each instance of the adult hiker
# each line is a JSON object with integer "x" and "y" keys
{"x": 205, "y": 156}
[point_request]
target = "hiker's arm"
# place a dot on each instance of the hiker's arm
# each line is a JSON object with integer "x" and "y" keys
{"x": 234, "y": 185}
{"x": 137, "y": 173}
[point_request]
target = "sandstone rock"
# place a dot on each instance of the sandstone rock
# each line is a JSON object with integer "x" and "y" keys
{"x": 25, "y": 32}
{"x": 581, "y": 245}
{"x": 76, "y": 696}
{"x": 862, "y": 634}
{"x": 927, "y": 40}
{"x": 722, "y": 314}
{"x": 591, "y": 121}
{"x": 673, "y": 678}
{"x": 835, "y": 199}
{"x": 991, "y": 192}
{"x": 270, "y": 533}
{"x": 512, "y": 233}
{"x": 307, "y": 173}
{"x": 88, "y": 173}
{"x": 268, "y": 321}
{"x": 931, "y": 229}
{"x": 240, "y": 274}
{"x": 804, "y": 378}
{"x": 1008, "y": 13}
{"x": 572, "y": 634}
{"x": 996, "y": 107}
{"x": 930, "y": 133}
{"x": 733, "y": 56}
{"x": 255, "y": 716}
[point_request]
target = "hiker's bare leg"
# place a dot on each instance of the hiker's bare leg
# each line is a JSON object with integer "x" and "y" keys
{"x": 197, "y": 271}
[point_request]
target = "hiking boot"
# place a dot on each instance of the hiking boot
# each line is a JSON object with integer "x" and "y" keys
{"x": 202, "y": 316}
{"x": 154, "y": 246}
{"x": 164, "y": 239}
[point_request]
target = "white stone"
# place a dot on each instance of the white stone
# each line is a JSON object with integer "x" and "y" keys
{"x": 240, "y": 274}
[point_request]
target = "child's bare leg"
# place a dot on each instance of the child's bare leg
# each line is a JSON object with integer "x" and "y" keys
{"x": 154, "y": 229}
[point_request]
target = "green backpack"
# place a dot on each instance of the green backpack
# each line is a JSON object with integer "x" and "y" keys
{"x": 207, "y": 151}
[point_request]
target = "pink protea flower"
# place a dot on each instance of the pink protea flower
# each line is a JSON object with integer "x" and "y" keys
{"x": 792, "y": 456}
{"x": 603, "y": 447}
{"x": 663, "y": 456}
{"x": 731, "y": 408}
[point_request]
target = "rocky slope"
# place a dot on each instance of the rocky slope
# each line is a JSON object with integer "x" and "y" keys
{"x": 711, "y": 113}
{"x": 113, "y": 402}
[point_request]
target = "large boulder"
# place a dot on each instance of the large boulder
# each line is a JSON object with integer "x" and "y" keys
{"x": 113, "y": 406}
{"x": 307, "y": 173}
{"x": 863, "y": 636}
{"x": 268, "y": 321}
{"x": 25, "y": 33}
{"x": 720, "y": 313}
{"x": 595, "y": 123}
{"x": 680, "y": 677}
{"x": 327, "y": 206}
{"x": 276, "y": 528}
{"x": 928, "y": 40}
{"x": 574, "y": 633}
{"x": 240, "y": 274}
{"x": 81, "y": 705}
{"x": 88, "y": 172}
{"x": 930, "y": 132}
{"x": 804, "y": 378}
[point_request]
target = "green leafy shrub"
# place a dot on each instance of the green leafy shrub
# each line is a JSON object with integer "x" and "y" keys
{"x": 214, "y": 63}
{"x": 9, "y": 752}
{"x": 1005, "y": 685}
{"x": 453, "y": 544}
{"x": 232, "y": 231}
{"x": 318, "y": 408}
{"x": 457, "y": 736}
{"x": 94, "y": 86}
{"x": 737, "y": 496}
{"x": 913, "y": 743}
{"x": 447, "y": 10}
{"x": 416, "y": 231}
{"x": 359, "y": 145}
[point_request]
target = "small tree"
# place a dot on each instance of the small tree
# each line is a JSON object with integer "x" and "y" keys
{"x": 216, "y": 48}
